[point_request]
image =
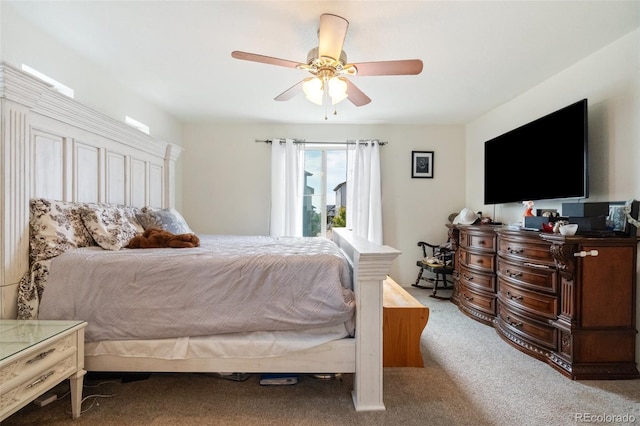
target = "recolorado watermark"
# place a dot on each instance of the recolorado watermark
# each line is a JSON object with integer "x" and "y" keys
{"x": 604, "y": 418}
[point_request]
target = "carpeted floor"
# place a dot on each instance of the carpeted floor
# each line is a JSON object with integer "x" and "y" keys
{"x": 471, "y": 377}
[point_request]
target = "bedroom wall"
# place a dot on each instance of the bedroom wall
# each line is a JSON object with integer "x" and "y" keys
{"x": 226, "y": 180}
{"x": 610, "y": 79}
{"x": 22, "y": 43}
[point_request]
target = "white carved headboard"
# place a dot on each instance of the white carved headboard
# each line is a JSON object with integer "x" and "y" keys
{"x": 53, "y": 147}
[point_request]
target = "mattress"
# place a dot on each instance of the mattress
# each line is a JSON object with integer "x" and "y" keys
{"x": 230, "y": 284}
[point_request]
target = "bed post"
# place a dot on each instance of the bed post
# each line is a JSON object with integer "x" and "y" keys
{"x": 171, "y": 155}
{"x": 370, "y": 263}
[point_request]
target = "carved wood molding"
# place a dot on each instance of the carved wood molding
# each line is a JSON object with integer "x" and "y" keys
{"x": 564, "y": 259}
{"x": 533, "y": 350}
{"x": 487, "y": 319}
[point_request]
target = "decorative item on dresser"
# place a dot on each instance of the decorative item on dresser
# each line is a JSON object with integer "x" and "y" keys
{"x": 569, "y": 301}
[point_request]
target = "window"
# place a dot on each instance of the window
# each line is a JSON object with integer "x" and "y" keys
{"x": 138, "y": 125}
{"x": 325, "y": 177}
{"x": 56, "y": 84}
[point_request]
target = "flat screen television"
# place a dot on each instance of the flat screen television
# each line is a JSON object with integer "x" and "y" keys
{"x": 541, "y": 160}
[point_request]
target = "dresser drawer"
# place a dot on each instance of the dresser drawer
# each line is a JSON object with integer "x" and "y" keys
{"x": 477, "y": 261}
{"x": 542, "y": 304}
{"x": 540, "y": 278}
{"x": 477, "y": 280}
{"x": 535, "y": 331}
{"x": 477, "y": 300}
{"x": 478, "y": 239}
{"x": 525, "y": 250}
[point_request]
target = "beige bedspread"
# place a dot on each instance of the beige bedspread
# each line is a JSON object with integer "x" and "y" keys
{"x": 229, "y": 284}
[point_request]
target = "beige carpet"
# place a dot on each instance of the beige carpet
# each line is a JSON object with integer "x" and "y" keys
{"x": 471, "y": 377}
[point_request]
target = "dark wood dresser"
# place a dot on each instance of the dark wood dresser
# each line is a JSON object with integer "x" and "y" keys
{"x": 568, "y": 301}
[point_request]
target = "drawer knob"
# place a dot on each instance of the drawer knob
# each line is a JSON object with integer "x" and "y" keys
{"x": 467, "y": 277}
{"x": 513, "y": 274}
{"x": 513, "y": 296}
{"x": 41, "y": 356}
{"x": 515, "y": 251}
{"x": 40, "y": 379}
{"x": 513, "y": 323}
{"x": 467, "y": 297}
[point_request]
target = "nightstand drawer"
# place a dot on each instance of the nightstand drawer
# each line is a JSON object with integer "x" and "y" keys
{"x": 34, "y": 385}
{"x": 37, "y": 361}
{"x": 36, "y": 355}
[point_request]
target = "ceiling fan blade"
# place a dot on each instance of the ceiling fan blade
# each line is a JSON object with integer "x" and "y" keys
{"x": 253, "y": 57}
{"x": 291, "y": 91}
{"x": 331, "y": 35}
{"x": 402, "y": 67}
{"x": 355, "y": 95}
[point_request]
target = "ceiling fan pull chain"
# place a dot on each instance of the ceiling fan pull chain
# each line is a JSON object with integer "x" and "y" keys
{"x": 326, "y": 101}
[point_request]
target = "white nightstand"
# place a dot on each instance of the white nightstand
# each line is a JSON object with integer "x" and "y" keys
{"x": 37, "y": 355}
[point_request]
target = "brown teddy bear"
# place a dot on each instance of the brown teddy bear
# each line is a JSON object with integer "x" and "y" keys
{"x": 159, "y": 238}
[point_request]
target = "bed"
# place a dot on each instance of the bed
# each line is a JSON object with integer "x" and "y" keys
{"x": 57, "y": 149}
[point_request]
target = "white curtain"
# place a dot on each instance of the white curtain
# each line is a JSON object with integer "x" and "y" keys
{"x": 287, "y": 178}
{"x": 364, "y": 197}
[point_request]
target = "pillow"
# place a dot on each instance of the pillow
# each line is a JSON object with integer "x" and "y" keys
{"x": 168, "y": 219}
{"x": 55, "y": 227}
{"x": 109, "y": 225}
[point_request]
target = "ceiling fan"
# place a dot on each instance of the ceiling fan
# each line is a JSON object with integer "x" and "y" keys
{"x": 328, "y": 64}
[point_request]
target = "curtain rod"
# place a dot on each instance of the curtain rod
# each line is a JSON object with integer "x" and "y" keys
{"x": 348, "y": 142}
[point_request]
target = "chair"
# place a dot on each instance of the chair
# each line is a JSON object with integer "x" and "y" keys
{"x": 439, "y": 263}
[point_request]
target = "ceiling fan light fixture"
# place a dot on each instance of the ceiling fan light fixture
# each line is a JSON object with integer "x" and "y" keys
{"x": 337, "y": 90}
{"x": 312, "y": 89}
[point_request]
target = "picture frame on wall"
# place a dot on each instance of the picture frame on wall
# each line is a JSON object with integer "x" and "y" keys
{"x": 422, "y": 164}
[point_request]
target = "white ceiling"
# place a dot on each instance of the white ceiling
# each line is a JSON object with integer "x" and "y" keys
{"x": 477, "y": 54}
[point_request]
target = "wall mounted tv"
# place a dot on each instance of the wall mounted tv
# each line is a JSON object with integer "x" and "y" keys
{"x": 542, "y": 160}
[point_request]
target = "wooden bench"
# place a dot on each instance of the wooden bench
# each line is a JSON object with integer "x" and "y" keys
{"x": 403, "y": 321}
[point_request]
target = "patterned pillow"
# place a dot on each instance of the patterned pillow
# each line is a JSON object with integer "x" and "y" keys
{"x": 167, "y": 219}
{"x": 55, "y": 227}
{"x": 110, "y": 226}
